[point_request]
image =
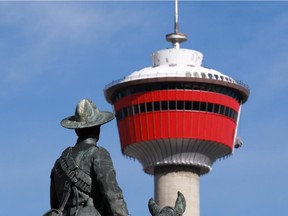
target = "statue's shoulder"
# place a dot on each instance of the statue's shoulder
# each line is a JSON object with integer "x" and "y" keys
{"x": 100, "y": 150}
{"x": 101, "y": 153}
{"x": 66, "y": 151}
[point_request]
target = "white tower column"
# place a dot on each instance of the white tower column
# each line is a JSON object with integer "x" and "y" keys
{"x": 169, "y": 180}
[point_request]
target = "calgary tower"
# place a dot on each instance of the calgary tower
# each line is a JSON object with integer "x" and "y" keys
{"x": 177, "y": 118}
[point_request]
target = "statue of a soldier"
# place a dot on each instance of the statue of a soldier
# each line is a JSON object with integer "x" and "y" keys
{"x": 83, "y": 180}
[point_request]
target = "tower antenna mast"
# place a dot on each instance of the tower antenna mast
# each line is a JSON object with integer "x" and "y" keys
{"x": 176, "y": 38}
{"x": 176, "y": 17}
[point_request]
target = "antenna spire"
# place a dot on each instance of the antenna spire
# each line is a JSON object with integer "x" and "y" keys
{"x": 176, "y": 38}
{"x": 176, "y": 17}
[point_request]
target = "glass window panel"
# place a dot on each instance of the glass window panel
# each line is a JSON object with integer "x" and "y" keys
{"x": 130, "y": 110}
{"x": 156, "y": 106}
{"x": 164, "y": 105}
{"x": 188, "y": 86}
{"x": 149, "y": 107}
{"x": 222, "y": 108}
{"x": 216, "y": 108}
{"x": 188, "y": 105}
{"x": 195, "y": 105}
{"x": 180, "y": 105}
{"x": 142, "y": 107}
{"x": 136, "y": 109}
{"x": 125, "y": 112}
{"x": 210, "y": 107}
{"x": 227, "y": 111}
{"x": 203, "y": 106}
{"x": 172, "y": 105}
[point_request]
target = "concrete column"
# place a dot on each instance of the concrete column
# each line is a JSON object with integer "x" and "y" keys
{"x": 171, "y": 179}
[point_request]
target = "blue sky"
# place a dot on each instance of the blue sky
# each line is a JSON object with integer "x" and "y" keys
{"x": 52, "y": 54}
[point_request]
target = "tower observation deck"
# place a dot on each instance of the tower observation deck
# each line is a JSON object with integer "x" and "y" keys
{"x": 177, "y": 118}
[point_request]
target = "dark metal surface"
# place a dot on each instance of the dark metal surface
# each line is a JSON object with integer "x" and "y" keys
{"x": 177, "y": 210}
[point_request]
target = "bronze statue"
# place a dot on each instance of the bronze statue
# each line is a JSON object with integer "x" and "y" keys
{"x": 178, "y": 210}
{"x": 83, "y": 180}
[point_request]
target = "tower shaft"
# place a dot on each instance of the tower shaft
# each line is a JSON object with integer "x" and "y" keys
{"x": 169, "y": 180}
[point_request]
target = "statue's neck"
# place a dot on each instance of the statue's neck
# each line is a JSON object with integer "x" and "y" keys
{"x": 89, "y": 140}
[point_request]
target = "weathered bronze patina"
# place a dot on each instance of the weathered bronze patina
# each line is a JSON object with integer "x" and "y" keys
{"x": 83, "y": 180}
{"x": 178, "y": 210}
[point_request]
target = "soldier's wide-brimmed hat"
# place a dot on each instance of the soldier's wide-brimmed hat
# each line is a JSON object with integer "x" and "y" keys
{"x": 87, "y": 115}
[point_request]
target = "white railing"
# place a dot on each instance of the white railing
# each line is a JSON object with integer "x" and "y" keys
{"x": 199, "y": 75}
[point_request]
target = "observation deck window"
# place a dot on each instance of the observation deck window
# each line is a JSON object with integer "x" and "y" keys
{"x": 181, "y": 86}
{"x": 156, "y": 105}
{"x": 181, "y": 105}
{"x": 196, "y": 105}
{"x": 216, "y": 108}
{"x": 172, "y": 105}
{"x": 203, "y": 106}
{"x": 222, "y": 109}
{"x": 188, "y": 105}
{"x": 149, "y": 107}
{"x": 210, "y": 107}
{"x": 164, "y": 105}
{"x": 130, "y": 110}
{"x": 136, "y": 108}
{"x": 143, "y": 107}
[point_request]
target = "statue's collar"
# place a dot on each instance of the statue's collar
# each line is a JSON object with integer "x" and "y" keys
{"x": 90, "y": 141}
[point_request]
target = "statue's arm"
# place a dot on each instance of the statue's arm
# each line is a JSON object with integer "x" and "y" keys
{"x": 106, "y": 179}
{"x": 54, "y": 203}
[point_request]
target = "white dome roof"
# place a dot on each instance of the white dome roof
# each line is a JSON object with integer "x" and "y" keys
{"x": 177, "y": 63}
{"x": 172, "y": 64}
